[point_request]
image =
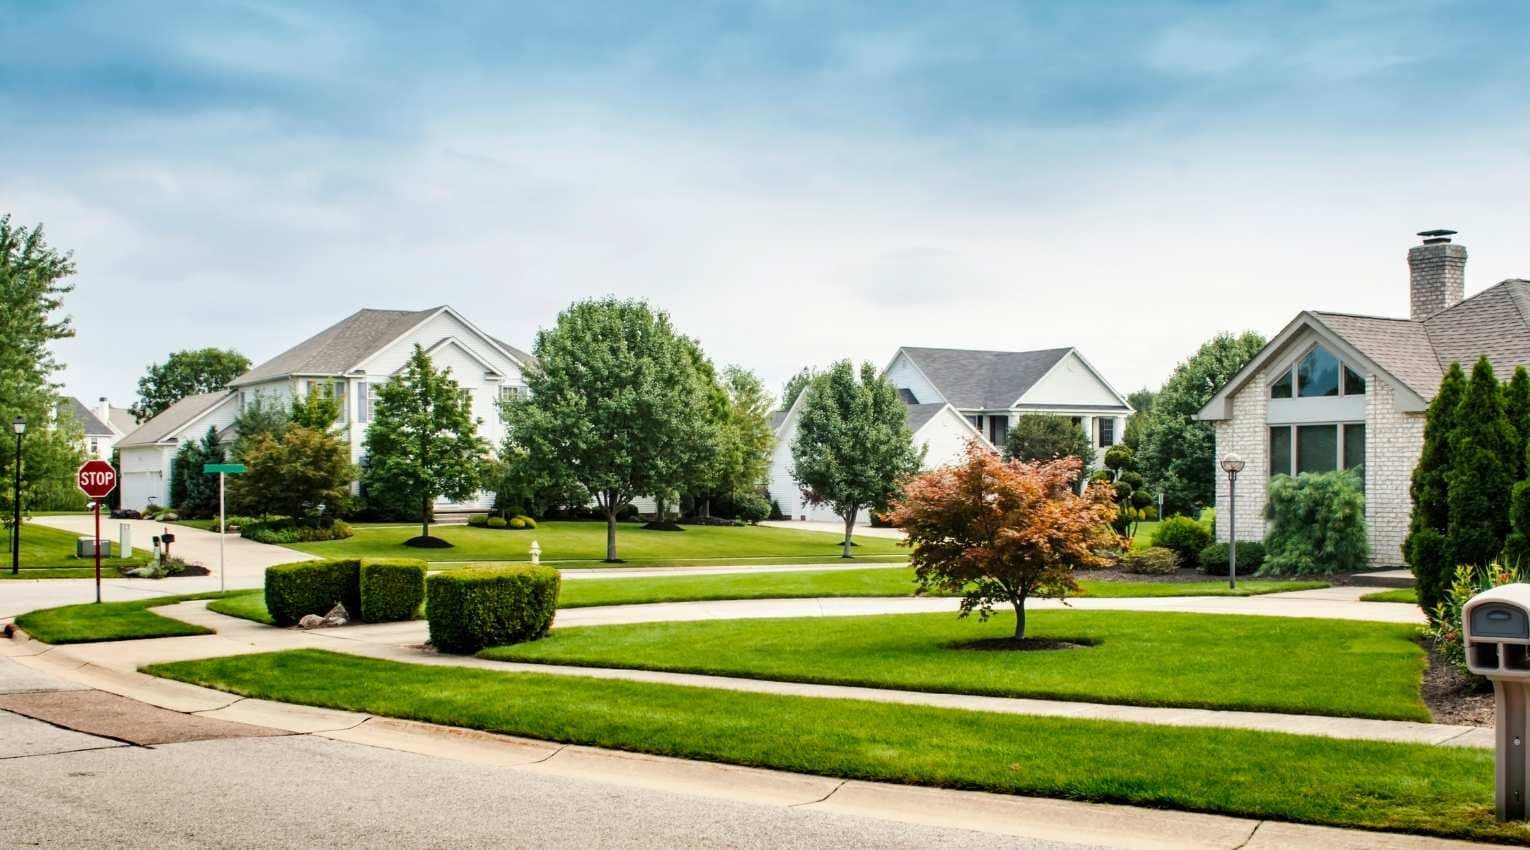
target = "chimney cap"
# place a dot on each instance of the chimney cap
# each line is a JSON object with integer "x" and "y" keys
{"x": 1436, "y": 237}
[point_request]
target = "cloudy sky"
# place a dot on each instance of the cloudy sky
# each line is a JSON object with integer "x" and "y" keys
{"x": 794, "y": 182}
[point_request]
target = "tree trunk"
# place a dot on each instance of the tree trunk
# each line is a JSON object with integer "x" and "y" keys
{"x": 849, "y": 526}
{"x": 610, "y": 527}
{"x": 1019, "y": 618}
{"x": 425, "y": 517}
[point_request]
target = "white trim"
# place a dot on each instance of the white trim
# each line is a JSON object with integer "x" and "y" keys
{"x": 914, "y": 363}
{"x": 452, "y": 340}
{"x": 1087, "y": 365}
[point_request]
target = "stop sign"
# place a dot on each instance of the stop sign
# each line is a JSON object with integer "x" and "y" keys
{"x": 96, "y": 478}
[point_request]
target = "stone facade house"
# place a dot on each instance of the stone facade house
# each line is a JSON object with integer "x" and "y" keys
{"x": 1334, "y": 390}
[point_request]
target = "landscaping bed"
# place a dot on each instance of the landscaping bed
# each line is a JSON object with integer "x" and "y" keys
{"x": 1279, "y": 664}
{"x": 1454, "y": 696}
{"x": 1345, "y": 783}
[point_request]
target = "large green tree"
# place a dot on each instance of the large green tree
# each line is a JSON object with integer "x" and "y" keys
{"x": 1479, "y": 484}
{"x": 1424, "y": 547}
{"x": 744, "y": 437}
{"x": 795, "y": 385}
{"x": 186, "y": 373}
{"x": 302, "y": 473}
{"x": 1142, "y": 407}
{"x": 1044, "y": 436}
{"x": 32, "y": 290}
{"x": 1516, "y": 406}
{"x": 853, "y": 450}
{"x": 1177, "y": 454}
{"x": 615, "y": 405}
{"x": 424, "y": 440}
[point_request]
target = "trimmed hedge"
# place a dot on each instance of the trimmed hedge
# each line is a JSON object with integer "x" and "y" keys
{"x": 1154, "y": 560}
{"x": 312, "y": 587}
{"x": 1250, "y": 558}
{"x": 391, "y": 589}
{"x": 1184, "y": 535}
{"x": 283, "y": 531}
{"x": 475, "y": 607}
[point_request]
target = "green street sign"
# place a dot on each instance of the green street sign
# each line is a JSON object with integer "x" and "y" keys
{"x": 230, "y": 468}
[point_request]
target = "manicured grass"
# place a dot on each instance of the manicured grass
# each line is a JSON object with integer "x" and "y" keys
{"x": 1437, "y": 790}
{"x": 1251, "y": 587}
{"x": 251, "y": 605}
{"x": 1301, "y": 666}
{"x": 90, "y": 622}
{"x": 1402, "y": 594}
{"x": 575, "y": 544}
{"x": 49, "y": 553}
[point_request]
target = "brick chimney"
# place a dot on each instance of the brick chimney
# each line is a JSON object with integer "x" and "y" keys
{"x": 1436, "y": 274}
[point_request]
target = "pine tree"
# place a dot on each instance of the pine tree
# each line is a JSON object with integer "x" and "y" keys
{"x": 1479, "y": 485}
{"x": 1516, "y": 403}
{"x": 1424, "y": 548}
{"x": 1516, "y": 406}
{"x": 194, "y": 493}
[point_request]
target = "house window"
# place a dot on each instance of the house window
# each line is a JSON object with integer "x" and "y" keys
{"x": 1280, "y": 450}
{"x": 510, "y": 393}
{"x": 95, "y": 445}
{"x": 1317, "y": 448}
{"x": 1354, "y": 448}
{"x": 363, "y": 402}
{"x": 1107, "y": 431}
{"x": 977, "y": 422}
{"x": 1318, "y": 375}
{"x": 1282, "y": 386}
{"x": 1353, "y": 383}
{"x": 998, "y": 429}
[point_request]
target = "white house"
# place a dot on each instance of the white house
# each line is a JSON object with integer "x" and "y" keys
{"x": 954, "y": 395}
{"x": 104, "y": 425}
{"x": 1334, "y": 390}
{"x": 349, "y": 360}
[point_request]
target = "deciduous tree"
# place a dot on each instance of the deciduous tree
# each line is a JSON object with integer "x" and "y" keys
{"x": 186, "y": 373}
{"x": 853, "y": 449}
{"x": 1043, "y": 436}
{"x": 1001, "y": 531}
{"x": 302, "y": 473}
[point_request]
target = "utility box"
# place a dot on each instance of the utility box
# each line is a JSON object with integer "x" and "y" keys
{"x": 1496, "y": 626}
{"x": 85, "y": 547}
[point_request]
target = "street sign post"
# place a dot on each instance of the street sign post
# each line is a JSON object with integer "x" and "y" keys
{"x": 224, "y": 470}
{"x": 96, "y": 479}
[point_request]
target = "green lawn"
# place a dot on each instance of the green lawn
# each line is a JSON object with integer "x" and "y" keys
{"x": 49, "y": 553}
{"x": 583, "y": 544}
{"x": 251, "y": 605}
{"x": 1402, "y": 594}
{"x": 1284, "y": 664}
{"x": 1437, "y": 790}
{"x": 91, "y": 622}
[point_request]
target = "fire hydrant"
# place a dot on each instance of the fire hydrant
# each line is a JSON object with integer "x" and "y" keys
{"x": 536, "y": 553}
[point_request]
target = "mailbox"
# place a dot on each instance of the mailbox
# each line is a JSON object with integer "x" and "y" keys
{"x": 1496, "y": 626}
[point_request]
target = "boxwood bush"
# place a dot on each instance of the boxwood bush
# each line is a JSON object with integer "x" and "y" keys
{"x": 1184, "y": 535}
{"x": 475, "y": 607}
{"x": 478, "y": 520}
{"x": 312, "y": 587}
{"x": 391, "y": 589}
{"x": 496, "y": 522}
{"x": 1250, "y": 558}
{"x": 1154, "y": 560}
{"x": 284, "y": 530}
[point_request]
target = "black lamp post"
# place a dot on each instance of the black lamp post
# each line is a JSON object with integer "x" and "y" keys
{"x": 20, "y": 427}
{"x": 1232, "y": 463}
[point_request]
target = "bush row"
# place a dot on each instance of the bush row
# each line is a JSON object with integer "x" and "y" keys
{"x": 476, "y": 607}
{"x": 282, "y": 531}
{"x": 374, "y": 590}
{"x": 518, "y": 522}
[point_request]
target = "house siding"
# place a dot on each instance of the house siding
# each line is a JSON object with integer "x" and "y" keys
{"x": 1247, "y": 434}
{"x": 1394, "y": 441}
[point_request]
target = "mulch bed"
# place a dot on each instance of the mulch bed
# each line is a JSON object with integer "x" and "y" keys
{"x": 1453, "y": 696}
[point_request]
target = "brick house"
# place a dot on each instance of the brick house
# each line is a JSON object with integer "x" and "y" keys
{"x": 1334, "y": 390}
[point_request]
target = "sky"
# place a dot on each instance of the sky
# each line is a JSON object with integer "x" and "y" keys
{"x": 794, "y": 182}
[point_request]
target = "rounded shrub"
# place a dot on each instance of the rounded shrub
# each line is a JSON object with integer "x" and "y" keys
{"x": 496, "y": 522}
{"x": 391, "y": 589}
{"x": 517, "y": 523}
{"x": 1213, "y": 558}
{"x": 478, "y": 520}
{"x": 472, "y": 608}
{"x": 1154, "y": 560}
{"x": 312, "y": 587}
{"x": 527, "y": 522}
{"x": 1183, "y": 535}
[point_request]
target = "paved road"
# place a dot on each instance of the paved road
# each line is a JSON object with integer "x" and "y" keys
{"x": 66, "y": 790}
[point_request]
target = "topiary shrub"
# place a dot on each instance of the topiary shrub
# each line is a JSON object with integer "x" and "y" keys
{"x": 478, "y": 520}
{"x": 1154, "y": 560}
{"x": 1183, "y": 535}
{"x": 1250, "y": 558}
{"x": 527, "y": 522}
{"x": 517, "y": 523}
{"x": 497, "y": 522}
{"x": 312, "y": 587}
{"x": 1317, "y": 524}
{"x": 391, "y": 589}
{"x": 472, "y": 608}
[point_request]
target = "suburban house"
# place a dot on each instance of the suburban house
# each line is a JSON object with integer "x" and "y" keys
{"x": 104, "y": 425}
{"x": 348, "y": 360}
{"x": 955, "y": 395}
{"x": 1334, "y": 390}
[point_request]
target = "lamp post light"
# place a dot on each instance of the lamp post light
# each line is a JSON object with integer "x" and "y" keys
{"x": 1232, "y": 463}
{"x": 20, "y": 427}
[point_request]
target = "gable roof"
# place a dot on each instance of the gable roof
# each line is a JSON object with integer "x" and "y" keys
{"x": 173, "y": 419}
{"x": 1398, "y": 346}
{"x": 1494, "y": 322}
{"x": 88, "y": 420}
{"x": 920, "y": 414}
{"x": 339, "y": 347}
{"x": 983, "y": 380}
{"x": 123, "y": 420}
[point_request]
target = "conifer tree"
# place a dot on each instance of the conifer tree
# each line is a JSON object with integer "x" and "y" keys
{"x": 1424, "y": 548}
{"x": 1479, "y": 485}
{"x": 1516, "y": 405}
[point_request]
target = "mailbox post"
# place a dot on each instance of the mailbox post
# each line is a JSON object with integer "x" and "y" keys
{"x": 1496, "y": 623}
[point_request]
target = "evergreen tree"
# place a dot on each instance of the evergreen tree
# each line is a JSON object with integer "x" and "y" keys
{"x": 424, "y": 440}
{"x": 853, "y": 449}
{"x": 1479, "y": 485}
{"x": 1516, "y": 406}
{"x": 194, "y": 493}
{"x": 1424, "y": 548}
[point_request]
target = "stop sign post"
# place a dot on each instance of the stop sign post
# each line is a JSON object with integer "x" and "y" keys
{"x": 96, "y": 479}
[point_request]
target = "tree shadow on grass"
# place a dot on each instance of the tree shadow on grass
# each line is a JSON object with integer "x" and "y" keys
{"x": 1009, "y": 644}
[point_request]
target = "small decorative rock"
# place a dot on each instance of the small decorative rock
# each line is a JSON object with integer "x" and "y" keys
{"x": 337, "y": 616}
{"x": 311, "y": 621}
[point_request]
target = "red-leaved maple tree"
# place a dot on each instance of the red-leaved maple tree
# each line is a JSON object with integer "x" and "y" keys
{"x": 998, "y": 531}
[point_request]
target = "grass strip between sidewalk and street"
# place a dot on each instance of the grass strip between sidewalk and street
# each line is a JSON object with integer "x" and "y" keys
{"x": 1216, "y": 661}
{"x": 1415, "y": 788}
{"x": 1402, "y": 594}
{"x": 92, "y": 622}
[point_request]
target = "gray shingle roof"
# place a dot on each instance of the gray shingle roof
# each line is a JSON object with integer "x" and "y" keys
{"x": 776, "y": 418}
{"x": 92, "y": 424}
{"x": 983, "y": 380}
{"x": 172, "y": 419}
{"x": 123, "y": 419}
{"x": 1494, "y": 322}
{"x": 523, "y": 356}
{"x": 338, "y": 347}
{"x": 919, "y": 414}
